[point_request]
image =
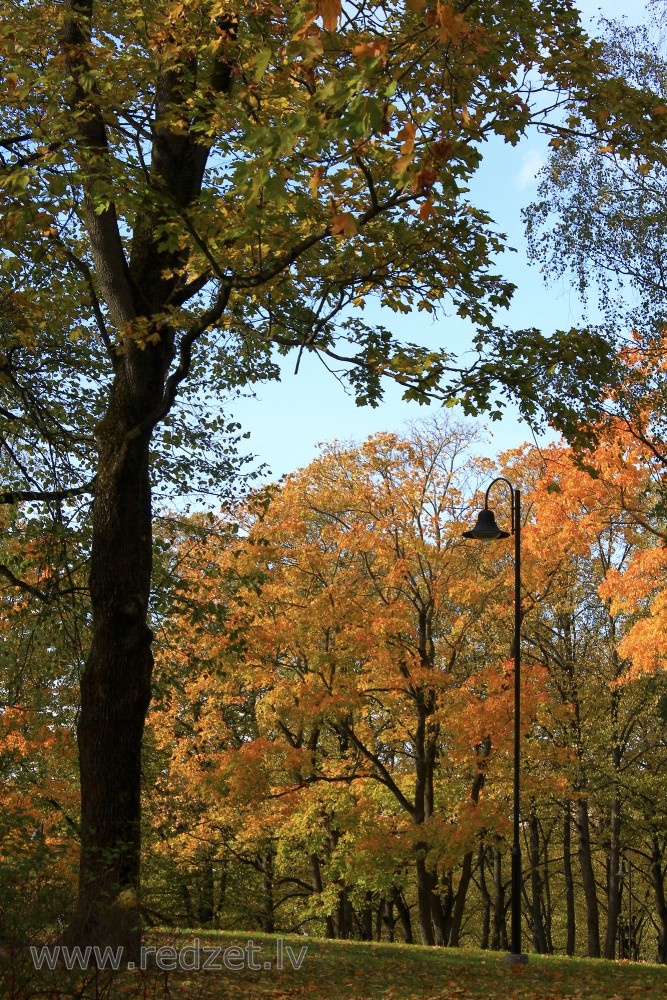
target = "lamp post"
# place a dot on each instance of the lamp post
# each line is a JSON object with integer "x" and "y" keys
{"x": 487, "y": 530}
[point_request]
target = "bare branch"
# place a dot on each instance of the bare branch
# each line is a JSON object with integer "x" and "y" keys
{"x": 19, "y": 496}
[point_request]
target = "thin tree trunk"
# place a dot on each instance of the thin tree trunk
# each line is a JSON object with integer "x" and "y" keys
{"x": 379, "y": 919}
{"x": 499, "y": 939}
{"x": 187, "y": 903}
{"x": 613, "y": 895}
{"x": 268, "y": 916}
{"x": 546, "y": 884}
{"x": 460, "y": 901}
{"x": 441, "y": 907}
{"x": 537, "y": 902}
{"x": 458, "y": 909}
{"x": 404, "y": 914}
{"x": 486, "y": 898}
{"x": 424, "y": 887}
{"x": 588, "y": 879}
{"x": 316, "y": 871}
{"x": 658, "y": 878}
{"x": 207, "y": 893}
{"x": 569, "y": 880}
{"x": 366, "y": 919}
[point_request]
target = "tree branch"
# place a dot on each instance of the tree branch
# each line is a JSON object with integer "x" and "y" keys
{"x": 19, "y": 496}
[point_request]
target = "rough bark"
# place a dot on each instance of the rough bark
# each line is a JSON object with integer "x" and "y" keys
{"x": 115, "y": 686}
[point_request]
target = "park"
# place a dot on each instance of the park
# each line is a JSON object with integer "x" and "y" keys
{"x": 390, "y": 721}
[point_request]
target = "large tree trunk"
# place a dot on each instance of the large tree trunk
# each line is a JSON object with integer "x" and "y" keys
{"x": 115, "y": 686}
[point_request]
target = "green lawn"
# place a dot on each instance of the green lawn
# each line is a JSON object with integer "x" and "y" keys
{"x": 342, "y": 970}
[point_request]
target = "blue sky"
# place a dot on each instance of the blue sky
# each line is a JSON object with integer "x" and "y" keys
{"x": 288, "y": 419}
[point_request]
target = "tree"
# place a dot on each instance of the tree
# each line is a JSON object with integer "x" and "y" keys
{"x": 599, "y": 219}
{"x": 186, "y": 185}
{"x": 339, "y": 687}
{"x": 286, "y": 751}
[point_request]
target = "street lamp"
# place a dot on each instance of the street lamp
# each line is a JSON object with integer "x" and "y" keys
{"x": 486, "y": 530}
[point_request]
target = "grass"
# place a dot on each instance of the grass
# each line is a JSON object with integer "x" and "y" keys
{"x": 347, "y": 970}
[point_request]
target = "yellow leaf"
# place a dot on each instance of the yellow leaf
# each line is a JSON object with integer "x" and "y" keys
{"x": 316, "y": 180}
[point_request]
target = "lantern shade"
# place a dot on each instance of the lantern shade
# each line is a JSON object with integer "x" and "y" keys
{"x": 486, "y": 529}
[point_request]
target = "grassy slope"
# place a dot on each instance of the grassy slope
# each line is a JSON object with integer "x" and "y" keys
{"x": 342, "y": 970}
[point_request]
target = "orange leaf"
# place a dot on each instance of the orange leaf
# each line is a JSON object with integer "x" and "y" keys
{"x": 453, "y": 25}
{"x": 407, "y": 135}
{"x": 329, "y": 11}
{"x": 344, "y": 224}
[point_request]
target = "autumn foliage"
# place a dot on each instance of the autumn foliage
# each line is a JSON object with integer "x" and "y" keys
{"x": 333, "y": 716}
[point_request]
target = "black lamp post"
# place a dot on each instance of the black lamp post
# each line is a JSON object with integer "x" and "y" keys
{"x": 486, "y": 530}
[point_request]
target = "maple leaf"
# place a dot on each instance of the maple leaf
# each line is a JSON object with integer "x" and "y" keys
{"x": 329, "y": 11}
{"x": 344, "y": 224}
{"x": 453, "y": 26}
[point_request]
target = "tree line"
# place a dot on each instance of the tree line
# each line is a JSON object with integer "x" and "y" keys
{"x": 329, "y": 748}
